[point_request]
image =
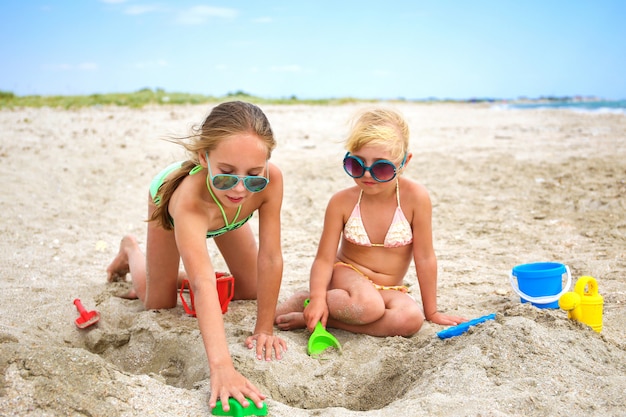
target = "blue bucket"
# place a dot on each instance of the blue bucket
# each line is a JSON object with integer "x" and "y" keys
{"x": 540, "y": 283}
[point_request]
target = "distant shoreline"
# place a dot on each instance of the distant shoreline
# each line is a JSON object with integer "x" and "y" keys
{"x": 146, "y": 97}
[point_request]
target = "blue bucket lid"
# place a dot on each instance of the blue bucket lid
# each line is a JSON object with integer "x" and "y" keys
{"x": 539, "y": 270}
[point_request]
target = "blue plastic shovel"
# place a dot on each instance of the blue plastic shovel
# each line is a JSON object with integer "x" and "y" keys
{"x": 463, "y": 327}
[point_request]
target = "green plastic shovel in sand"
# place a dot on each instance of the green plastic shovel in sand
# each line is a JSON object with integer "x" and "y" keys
{"x": 321, "y": 339}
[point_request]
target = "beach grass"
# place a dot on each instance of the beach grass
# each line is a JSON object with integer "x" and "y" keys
{"x": 146, "y": 96}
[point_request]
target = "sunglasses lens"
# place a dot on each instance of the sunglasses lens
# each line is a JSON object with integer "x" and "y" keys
{"x": 383, "y": 171}
{"x": 353, "y": 167}
{"x": 225, "y": 182}
{"x": 255, "y": 184}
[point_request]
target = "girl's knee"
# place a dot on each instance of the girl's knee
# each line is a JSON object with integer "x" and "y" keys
{"x": 245, "y": 287}
{"x": 357, "y": 309}
{"x": 409, "y": 323}
{"x": 156, "y": 303}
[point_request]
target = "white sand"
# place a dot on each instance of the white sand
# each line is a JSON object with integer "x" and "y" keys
{"x": 508, "y": 187}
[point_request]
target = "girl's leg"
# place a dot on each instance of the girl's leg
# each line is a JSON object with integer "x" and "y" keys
{"x": 240, "y": 253}
{"x": 402, "y": 317}
{"x": 162, "y": 260}
{"x": 157, "y": 288}
{"x": 352, "y": 298}
{"x": 161, "y": 268}
{"x": 119, "y": 266}
{"x": 129, "y": 259}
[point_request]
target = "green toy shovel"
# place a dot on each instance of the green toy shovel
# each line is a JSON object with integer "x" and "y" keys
{"x": 320, "y": 339}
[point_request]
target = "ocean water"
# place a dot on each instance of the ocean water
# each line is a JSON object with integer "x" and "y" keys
{"x": 600, "y": 106}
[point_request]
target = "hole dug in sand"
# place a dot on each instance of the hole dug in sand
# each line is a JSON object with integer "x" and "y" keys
{"x": 166, "y": 345}
{"x": 369, "y": 374}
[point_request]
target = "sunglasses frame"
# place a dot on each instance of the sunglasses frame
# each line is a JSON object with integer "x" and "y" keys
{"x": 371, "y": 167}
{"x": 239, "y": 178}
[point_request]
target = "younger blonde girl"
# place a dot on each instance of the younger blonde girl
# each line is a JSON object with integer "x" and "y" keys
{"x": 371, "y": 233}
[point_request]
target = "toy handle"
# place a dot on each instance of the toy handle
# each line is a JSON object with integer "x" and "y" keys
{"x": 544, "y": 299}
{"x": 586, "y": 286}
{"x": 80, "y": 307}
{"x": 463, "y": 327}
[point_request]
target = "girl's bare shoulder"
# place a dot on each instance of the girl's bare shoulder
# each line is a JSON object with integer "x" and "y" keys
{"x": 346, "y": 196}
{"x": 413, "y": 193}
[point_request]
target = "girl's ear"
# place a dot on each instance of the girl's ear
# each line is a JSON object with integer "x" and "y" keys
{"x": 408, "y": 159}
{"x": 202, "y": 157}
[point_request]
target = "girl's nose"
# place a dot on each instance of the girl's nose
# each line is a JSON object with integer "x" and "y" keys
{"x": 239, "y": 186}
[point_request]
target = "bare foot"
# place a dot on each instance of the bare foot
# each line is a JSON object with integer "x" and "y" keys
{"x": 129, "y": 295}
{"x": 291, "y": 321}
{"x": 118, "y": 268}
{"x": 289, "y": 313}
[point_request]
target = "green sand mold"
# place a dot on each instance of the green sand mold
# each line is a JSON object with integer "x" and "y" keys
{"x": 237, "y": 410}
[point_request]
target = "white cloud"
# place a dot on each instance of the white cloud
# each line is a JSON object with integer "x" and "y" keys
{"x": 87, "y": 66}
{"x": 143, "y": 9}
{"x": 286, "y": 68}
{"x": 201, "y": 14}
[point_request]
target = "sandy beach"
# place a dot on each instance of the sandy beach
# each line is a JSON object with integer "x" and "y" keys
{"x": 508, "y": 187}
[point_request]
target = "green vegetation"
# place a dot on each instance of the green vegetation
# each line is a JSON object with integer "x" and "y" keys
{"x": 146, "y": 97}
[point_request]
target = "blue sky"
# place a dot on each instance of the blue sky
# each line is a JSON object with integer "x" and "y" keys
{"x": 316, "y": 49}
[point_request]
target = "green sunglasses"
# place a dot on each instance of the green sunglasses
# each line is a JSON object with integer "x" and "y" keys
{"x": 253, "y": 183}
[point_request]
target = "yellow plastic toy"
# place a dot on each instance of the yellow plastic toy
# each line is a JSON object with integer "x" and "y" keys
{"x": 584, "y": 304}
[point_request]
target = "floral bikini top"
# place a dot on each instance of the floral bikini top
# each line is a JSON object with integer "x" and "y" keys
{"x": 398, "y": 234}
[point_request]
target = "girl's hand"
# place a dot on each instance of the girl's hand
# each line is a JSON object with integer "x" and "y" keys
{"x": 266, "y": 343}
{"x": 227, "y": 383}
{"x": 315, "y": 312}
{"x": 440, "y": 318}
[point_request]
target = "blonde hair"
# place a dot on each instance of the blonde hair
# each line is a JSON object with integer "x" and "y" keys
{"x": 380, "y": 126}
{"x": 224, "y": 121}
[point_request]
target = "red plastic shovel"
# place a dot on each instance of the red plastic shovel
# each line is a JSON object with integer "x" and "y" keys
{"x": 87, "y": 318}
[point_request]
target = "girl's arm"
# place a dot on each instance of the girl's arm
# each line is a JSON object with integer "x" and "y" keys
{"x": 423, "y": 251}
{"x": 322, "y": 268}
{"x": 425, "y": 259}
{"x": 269, "y": 269}
{"x": 191, "y": 225}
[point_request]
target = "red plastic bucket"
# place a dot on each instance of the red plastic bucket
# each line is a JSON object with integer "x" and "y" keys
{"x": 225, "y": 284}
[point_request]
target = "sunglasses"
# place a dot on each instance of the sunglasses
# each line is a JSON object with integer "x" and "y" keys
{"x": 253, "y": 183}
{"x": 381, "y": 170}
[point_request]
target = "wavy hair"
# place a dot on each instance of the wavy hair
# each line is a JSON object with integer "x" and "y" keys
{"x": 380, "y": 126}
{"x": 224, "y": 121}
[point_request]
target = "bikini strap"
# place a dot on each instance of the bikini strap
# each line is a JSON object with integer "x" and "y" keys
{"x": 359, "y": 201}
{"x": 196, "y": 169}
{"x": 208, "y": 186}
{"x": 398, "y": 191}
